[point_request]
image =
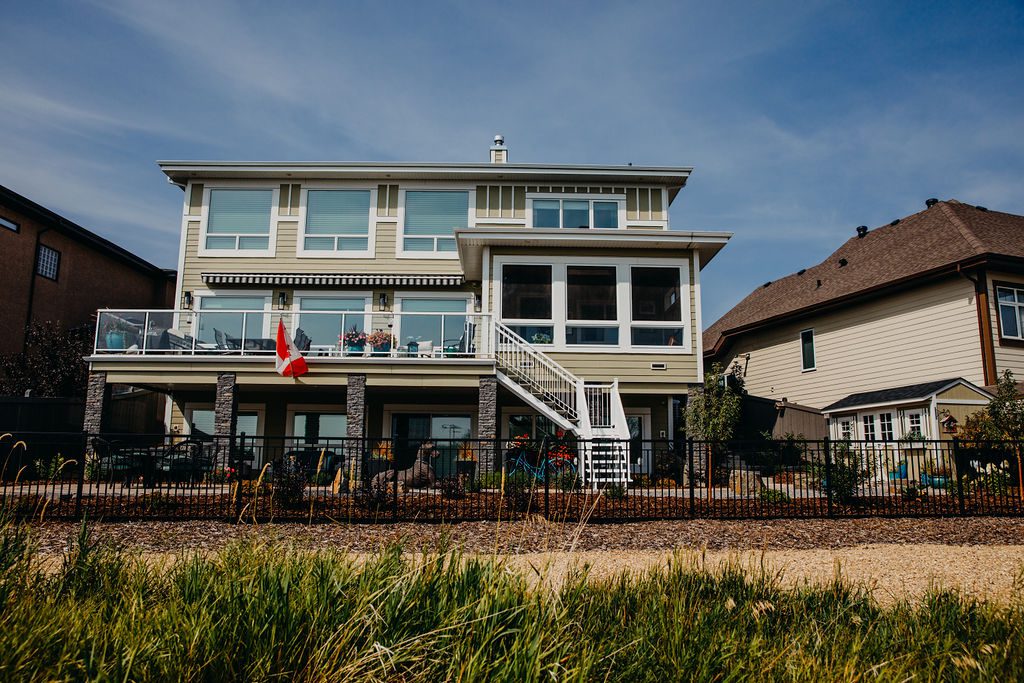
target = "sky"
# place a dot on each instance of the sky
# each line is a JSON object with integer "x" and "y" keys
{"x": 801, "y": 120}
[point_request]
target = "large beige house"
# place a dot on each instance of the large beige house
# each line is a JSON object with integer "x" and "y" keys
{"x": 893, "y": 314}
{"x": 499, "y": 300}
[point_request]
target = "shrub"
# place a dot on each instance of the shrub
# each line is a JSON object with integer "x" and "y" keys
{"x": 519, "y": 494}
{"x": 289, "y": 482}
{"x": 848, "y": 471}
{"x": 567, "y": 481}
{"x": 994, "y": 480}
{"x": 614, "y": 491}
{"x": 452, "y": 488}
{"x": 474, "y": 485}
{"x": 375, "y": 497}
{"x": 773, "y": 496}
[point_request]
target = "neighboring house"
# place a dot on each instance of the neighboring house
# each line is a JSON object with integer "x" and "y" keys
{"x": 927, "y": 411}
{"x": 519, "y": 299}
{"x": 55, "y": 270}
{"x": 935, "y": 295}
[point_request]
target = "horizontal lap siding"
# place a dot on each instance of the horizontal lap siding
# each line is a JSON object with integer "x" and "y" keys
{"x": 925, "y": 334}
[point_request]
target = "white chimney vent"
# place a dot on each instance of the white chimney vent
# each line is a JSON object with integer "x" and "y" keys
{"x": 499, "y": 153}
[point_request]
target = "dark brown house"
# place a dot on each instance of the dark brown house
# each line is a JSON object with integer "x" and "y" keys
{"x": 56, "y": 270}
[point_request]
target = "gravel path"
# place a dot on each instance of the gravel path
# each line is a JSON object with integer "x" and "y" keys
{"x": 541, "y": 536}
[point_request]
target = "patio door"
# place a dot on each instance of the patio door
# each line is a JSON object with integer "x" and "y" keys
{"x": 427, "y": 331}
{"x": 410, "y": 430}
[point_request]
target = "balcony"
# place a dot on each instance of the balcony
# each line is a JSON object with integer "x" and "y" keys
{"x": 363, "y": 335}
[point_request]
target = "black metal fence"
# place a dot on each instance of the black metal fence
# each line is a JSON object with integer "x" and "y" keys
{"x": 265, "y": 478}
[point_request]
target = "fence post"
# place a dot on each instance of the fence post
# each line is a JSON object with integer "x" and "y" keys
{"x": 692, "y": 475}
{"x": 81, "y": 474}
{"x": 959, "y": 476}
{"x": 394, "y": 478}
{"x": 547, "y": 473}
{"x": 235, "y": 457}
{"x": 830, "y": 484}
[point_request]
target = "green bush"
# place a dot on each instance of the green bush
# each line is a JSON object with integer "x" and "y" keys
{"x": 773, "y": 496}
{"x": 566, "y": 481}
{"x": 614, "y": 491}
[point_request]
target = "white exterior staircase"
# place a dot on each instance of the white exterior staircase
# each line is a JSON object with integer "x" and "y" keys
{"x": 593, "y": 411}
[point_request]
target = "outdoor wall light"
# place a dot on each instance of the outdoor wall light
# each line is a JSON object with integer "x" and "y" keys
{"x": 187, "y": 298}
{"x": 382, "y": 301}
{"x": 476, "y": 302}
{"x": 282, "y": 299}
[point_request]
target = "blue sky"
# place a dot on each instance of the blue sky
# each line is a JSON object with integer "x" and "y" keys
{"x": 801, "y": 120}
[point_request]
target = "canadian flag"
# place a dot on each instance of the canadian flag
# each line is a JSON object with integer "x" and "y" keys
{"x": 290, "y": 362}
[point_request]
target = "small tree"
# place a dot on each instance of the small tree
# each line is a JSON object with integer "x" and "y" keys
{"x": 52, "y": 363}
{"x": 713, "y": 412}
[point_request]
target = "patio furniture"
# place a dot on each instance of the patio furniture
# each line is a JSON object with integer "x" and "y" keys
{"x": 224, "y": 342}
{"x": 176, "y": 341}
{"x": 185, "y": 461}
{"x": 464, "y": 344}
{"x": 302, "y": 340}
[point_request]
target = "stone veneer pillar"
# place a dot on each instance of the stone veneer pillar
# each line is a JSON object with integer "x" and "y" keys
{"x": 355, "y": 412}
{"x": 487, "y": 423}
{"x": 225, "y": 405}
{"x": 97, "y": 393}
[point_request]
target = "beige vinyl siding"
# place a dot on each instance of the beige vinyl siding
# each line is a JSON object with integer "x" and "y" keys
{"x": 925, "y": 334}
{"x": 1008, "y": 356}
{"x": 960, "y": 393}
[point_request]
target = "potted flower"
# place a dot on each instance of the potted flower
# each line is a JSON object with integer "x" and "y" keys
{"x": 935, "y": 474}
{"x": 914, "y": 438}
{"x": 354, "y": 341}
{"x": 541, "y": 338}
{"x": 380, "y": 341}
{"x": 465, "y": 462}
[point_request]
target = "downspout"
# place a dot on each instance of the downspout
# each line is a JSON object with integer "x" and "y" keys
{"x": 988, "y": 350}
{"x": 31, "y": 289}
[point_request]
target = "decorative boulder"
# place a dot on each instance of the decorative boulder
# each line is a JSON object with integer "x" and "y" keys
{"x": 745, "y": 482}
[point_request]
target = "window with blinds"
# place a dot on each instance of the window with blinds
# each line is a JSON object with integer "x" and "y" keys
{"x": 337, "y": 221}
{"x": 239, "y": 220}
{"x": 431, "y": 218}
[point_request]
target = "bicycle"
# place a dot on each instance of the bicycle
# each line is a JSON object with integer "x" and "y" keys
{"x": 519, "y": 456}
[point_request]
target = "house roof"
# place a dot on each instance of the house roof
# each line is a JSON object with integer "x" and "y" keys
{"x": 926, "y": 243}
{"x": 905, "y": 394}
{"x": 55, "y": 221}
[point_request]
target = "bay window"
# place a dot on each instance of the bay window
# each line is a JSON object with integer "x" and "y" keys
{"x": 431, "y": 218}
{"x": 337, "y": 221}
{"x": 239, "y": 220}
{"x": 576, "y": 213}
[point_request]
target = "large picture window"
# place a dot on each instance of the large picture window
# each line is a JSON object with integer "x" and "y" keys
{"x": 1011, "y": 312}
{"x": 337, "y": 221}
{"x": 526, "y": 301}
{"x": 590, "y": 297}
{"x": 431, "y": 218}
{"x": 239, "y": 220}
{"x": 656, "y": 307}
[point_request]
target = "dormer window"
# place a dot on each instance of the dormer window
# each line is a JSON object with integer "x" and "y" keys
{"x": 576, "y": 213}
{"x": 239, "y": 220}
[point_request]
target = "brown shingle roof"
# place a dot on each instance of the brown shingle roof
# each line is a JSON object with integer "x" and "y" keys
{"x": 941, "y": 236}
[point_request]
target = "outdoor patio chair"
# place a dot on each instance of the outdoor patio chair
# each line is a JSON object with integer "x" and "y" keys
{"x": 176, "y": 341}
{"x": 464, "y": 344}
{"x": 302, "y": 340}
{"x": 224, "y": 342}
{"x": 185, "y": 461}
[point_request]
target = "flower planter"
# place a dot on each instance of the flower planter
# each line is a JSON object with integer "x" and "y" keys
{"x": 355, "y": 349}
{"x": 937, "y": 481}
{"x": 115, "y": 340}
{"x": 382, "y": 349}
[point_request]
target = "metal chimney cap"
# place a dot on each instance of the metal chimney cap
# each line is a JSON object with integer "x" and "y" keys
{"x": 499, "y": 140}
{"x": 862, "y": 230}
{"x": 930, "y": 202}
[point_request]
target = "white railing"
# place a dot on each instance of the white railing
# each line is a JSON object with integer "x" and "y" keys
{"x": 599, "y": 405}
{"x": 536, "y": 372}
{"x": 324, "y": 334}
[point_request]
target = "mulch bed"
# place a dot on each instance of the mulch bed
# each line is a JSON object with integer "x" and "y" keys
{"x": 537, "y": 535}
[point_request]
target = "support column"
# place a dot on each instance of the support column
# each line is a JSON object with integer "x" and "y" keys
{"x": 97, "y": 395}
{"x": 355, "y": 411}
{"x": 225, "y": 406}
{"x": 487, "y": 424}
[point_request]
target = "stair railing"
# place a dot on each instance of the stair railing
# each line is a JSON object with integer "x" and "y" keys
{"x": 537, "y": 373}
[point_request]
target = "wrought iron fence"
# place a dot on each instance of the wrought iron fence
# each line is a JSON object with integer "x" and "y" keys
{"x": 267, "y": 478}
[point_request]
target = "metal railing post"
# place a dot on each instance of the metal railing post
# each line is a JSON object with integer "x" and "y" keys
{"x": 829, "y": 482}
{"x": 547, "y": 472}
{"x": 235, "y": 457}
{"x": 81, "y": 475}
{"x": 959, "y": 476}
{"x": 691, "y": 474}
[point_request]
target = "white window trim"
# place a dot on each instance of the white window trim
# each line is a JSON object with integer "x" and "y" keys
{"x": 400, "y": 297}
{"x": 619, "y": 199}
{"x": 215, "y": 293}
{"x": 814, "y": 350}
{"x": 1019, "y": 309}
{"x": 275, "y": 218}
{"x": 400, "y": 251}
{"x": 624, "y": 309}
{"x": 371, "y": 229}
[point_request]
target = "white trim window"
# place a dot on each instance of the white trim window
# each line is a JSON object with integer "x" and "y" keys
{"x": 239, "y": 222}
{"x": 808, "y": 361}
{"x": 869, "y": 427}
{"x": 429, "y": 220}
{"x": 598, "y": 304}
{"x": 846, "y": 429}
{"x": 1011, "y": 312}
{"x": 605, "y": 212}
{"x": 236, "y": 321}
{"x": 885, "y": 425}
{"x": 338, "y": 223}
{"x": 324, "y": 317}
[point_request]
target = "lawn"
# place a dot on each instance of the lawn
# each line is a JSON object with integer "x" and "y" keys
{"x": 258, "y": 612}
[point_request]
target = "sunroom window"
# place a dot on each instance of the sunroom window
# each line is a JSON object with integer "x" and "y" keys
{"x": 657, "y": 311}
{"x": 337, "y": 221}
{"x": 590, "y": 298}
{"x": 1011, "y": 312}
{"x": 431, "y": 218}
{"x": 239, "y": 220}
{"x": 575, "y": 213}
{"x": 526, "y": 301}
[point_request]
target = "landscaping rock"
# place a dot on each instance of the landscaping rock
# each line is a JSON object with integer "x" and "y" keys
{"x": 745, "y": 482}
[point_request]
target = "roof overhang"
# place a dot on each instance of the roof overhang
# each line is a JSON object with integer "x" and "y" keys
{"x": 673, "y": 177}
{"x": 829, "y": 410}
{"x": 471, "y": 242}
{"x": 333, "y": 279}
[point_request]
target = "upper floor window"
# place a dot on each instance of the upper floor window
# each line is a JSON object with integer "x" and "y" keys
{"x": 337, "y": 221}
{"x": 239, "y": 220}
{"x": 9, "y": 224}
{"x": 657, "y": 307}
{"x": 807, "y": 349}
{"x": 1011, "y": 312}
{"x": 590, "y": 304}
{"x": 526, "y": 301}
{"x": 47, "y": 262}
{"x": 431, "y": 218}
{"x": 575, "y": 213}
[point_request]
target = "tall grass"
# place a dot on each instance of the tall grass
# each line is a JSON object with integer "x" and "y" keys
{"x": 259, "y": 613}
